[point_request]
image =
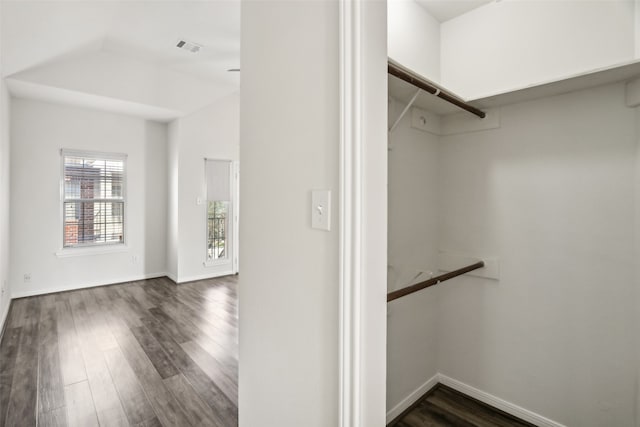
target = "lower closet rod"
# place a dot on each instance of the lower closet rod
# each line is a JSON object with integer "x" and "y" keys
{"x": 415, "y": 80}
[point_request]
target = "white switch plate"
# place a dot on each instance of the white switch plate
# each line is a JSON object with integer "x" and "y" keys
{"x": 321, "y": 209}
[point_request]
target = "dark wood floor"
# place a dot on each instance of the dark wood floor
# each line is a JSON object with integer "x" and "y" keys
{"x": 445, "y": 407}
{"x": 146, "y": 353}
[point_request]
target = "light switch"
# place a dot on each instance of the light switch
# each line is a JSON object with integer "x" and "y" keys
{"x": 321, "y": 209}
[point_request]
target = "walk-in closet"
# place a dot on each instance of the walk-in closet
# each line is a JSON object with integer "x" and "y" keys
{"x": 533, "y": 172}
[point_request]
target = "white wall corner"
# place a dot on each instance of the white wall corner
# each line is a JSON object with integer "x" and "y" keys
{"x": 172, "y": 277}
{"x": 465, "y": 122}
{"x": 496, "y": 402}
{"x": 412, "y": 398}
{"x": 632, "y": 93}
{"x": 482, "y": 396}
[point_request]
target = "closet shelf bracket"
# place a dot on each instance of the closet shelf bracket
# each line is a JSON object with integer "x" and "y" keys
{"x": 397, "y": 122}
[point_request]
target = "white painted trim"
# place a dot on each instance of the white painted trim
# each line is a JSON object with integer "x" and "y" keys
{"x": 412, "y": 398}
{"x": 350, "y": 194}
{"x": 3, "y": 318}
{"x": 92, "y": 284}
{"x": 112, "y": 248}
{"x": 498, "y": 403}
{"x": 202, "y": 276}
{"x": 236, "y": 217}
{"x": 172, "y": 277}
{"x": 94, "y": 248}
{"x": 482, "y": 396}
{"x": 362, "y": 213}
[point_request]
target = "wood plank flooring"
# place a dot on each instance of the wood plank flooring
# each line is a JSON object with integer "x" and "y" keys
{"x": 145, "y": 354}
{"x": 445, "y": 407}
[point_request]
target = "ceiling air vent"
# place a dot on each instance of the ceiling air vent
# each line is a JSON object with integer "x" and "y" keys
{"x": 189, "y": 46}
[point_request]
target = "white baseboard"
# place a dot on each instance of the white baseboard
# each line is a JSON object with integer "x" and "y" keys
{"x": 201, "y": 277}
{"x": 3, "y": 317}
{"x": 496, "y": 402}
{"x": 489, "y": 399}
{"x": 84, "y": 285}
{"x": 412, "y": 398}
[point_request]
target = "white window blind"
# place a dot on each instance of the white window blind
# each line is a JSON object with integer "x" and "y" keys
{"x": 93, "y": 198}
{"x": 218, "y": 180}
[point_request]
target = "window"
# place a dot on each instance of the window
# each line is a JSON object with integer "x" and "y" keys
{"x": 93, "y": 198}
{"x": 218, "y": 174}
{"x": 217, "y": 225}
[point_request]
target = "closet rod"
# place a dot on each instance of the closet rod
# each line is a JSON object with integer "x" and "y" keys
{"x": 419, "y": 82}
{"x": 433, "y": 281}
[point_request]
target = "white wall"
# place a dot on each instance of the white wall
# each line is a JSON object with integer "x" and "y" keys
{"x": 551, "y": 192}
{"x": 289, "y": 106}
{"x": 173, "y": 225}
{"x": 636, "y": 27}
{"x": 38, "y": 132}
{"x": 5, "y": 291}
{"x": 637, "y": 264}
{"x": 214, "y": 133}
{"x": 413, "y": 246}
{"x": 368, "y": 281}
{"x": 414, "y": 38}
{"x": 512, "y": 44}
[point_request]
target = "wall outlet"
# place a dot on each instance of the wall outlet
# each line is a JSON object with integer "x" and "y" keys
{"x": 134, "y": 259}
{"x": 27, "y": 277}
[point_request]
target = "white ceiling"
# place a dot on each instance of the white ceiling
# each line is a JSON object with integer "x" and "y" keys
{"x": 40, "y": 38}
{"x": 443, "y": 10}
{"x": 35, "y": 32}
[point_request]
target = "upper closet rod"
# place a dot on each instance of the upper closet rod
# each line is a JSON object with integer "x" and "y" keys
{"x": 419, "y": 82}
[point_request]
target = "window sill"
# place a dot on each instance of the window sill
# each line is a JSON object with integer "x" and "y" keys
{"x": 87, "y": 251}
{"x": 216, "y": 263}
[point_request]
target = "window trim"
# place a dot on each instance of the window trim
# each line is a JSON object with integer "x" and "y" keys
{"x": 93, "y": 248}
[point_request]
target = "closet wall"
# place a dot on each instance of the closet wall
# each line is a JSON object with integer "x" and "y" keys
{"x": 554, "y": 193}
{"x": 412, "y": 29}
{"x": 551, "y": 192}
{"x": 412, "y": 251}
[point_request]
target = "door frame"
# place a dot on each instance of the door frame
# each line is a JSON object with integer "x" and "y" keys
{"x": 363, "y": 213}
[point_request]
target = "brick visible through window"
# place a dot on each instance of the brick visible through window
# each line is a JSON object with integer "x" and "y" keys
{"x": 93, "y": 200}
